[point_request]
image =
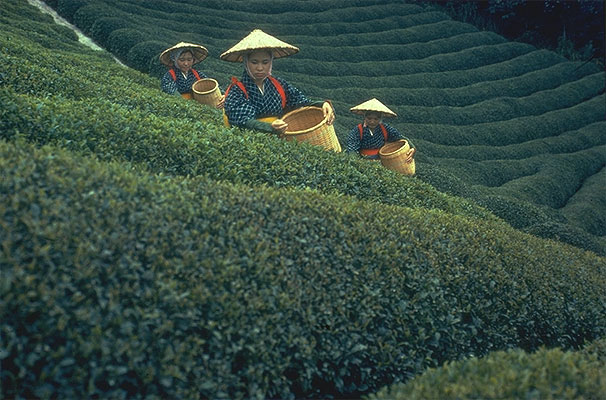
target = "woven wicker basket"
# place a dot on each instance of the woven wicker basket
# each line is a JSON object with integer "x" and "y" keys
{"x": 393, "y": 156}
{"x": 206, "y": 91}
{"x": 308, "y": 124}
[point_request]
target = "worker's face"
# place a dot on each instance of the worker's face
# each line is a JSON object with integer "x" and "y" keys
{"x": 259, "y": 65}
{"x": 372, "y": 120}
{"x": 185, "y": 61}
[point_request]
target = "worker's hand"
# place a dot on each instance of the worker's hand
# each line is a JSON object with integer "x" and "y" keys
{"x": 329, "y": 113}
{"x": 221, "y": 102}
{"x": 279, "y": 126}
{"x": 410, "y": 154}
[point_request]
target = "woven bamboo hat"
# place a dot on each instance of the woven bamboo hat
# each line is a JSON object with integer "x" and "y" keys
{"x": 373, "y": 105}
{"x": 258, "y": 40}
{"x": 199, "y": 52}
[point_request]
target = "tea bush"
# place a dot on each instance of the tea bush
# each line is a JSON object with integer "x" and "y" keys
{"x": 586, "y": 203}
{"x": 181, "y": 287}
{"x": 386, "y": 52}
{"x": 513, "y": 374}
{"x": 191, "y": 147}
{"x": 464, "y": 59}
{"x": 493, "y": 73}
{"x": 584, "y": 138}
{"x": 104, "y": 26}
{"x": 518, "y": 89}
{"x": 515, "y": 130}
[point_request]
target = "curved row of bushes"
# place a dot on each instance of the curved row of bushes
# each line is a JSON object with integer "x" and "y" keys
{"x": 515, "y": 130}
{"x": 503, "y": 109}
{"x": 64, "y": 68}
{"x": 513, "y": 374}
{"x": 583, "y": 138}
{"x": 586, "y": 204}
{"x": 192, "y": 13}
{"x": 541, "y": 80}
{"x": 69, "y": 7}
{"x": 188, "y": 147}
{"x": 119, "y": 283}
{"x": 553, "y": 78}
{"x": 511, "y": 68}
{"x": 464, "y": 59}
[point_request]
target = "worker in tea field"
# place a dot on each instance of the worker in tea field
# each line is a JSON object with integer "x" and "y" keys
{"x": 259, "y": 99}
{"x": 367, "y": 138}
{"x": 181, "y": 75}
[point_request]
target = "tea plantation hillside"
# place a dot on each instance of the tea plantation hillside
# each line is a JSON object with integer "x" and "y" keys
{"x": 146, "y": 251}
{"x": 514, "y": 128}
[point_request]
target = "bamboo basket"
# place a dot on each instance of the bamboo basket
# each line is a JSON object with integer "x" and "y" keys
{"x": 308, "y": 124}
{"x": 393, "y": 156}
{"x": 206, "y": 91}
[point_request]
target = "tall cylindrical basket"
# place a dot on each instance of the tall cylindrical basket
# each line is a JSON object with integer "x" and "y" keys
{"x": 393, "y": 156}
{"x": 206, "y": 91}
{"x": 308, "y": 124}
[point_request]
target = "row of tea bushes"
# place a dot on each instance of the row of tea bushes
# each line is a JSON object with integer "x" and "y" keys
{"x": 69, "y": 7}
{"x": 519, "y": 88}
{"x": 302, "y": 13}
{"x": 53, "y": 72}
{"x": 335, "y": 22}
{"x": 121, "y": 283}
{"x": 464, "y": 59}
{"x": 586, "y": 205}
{"x": 203, "y": 147}
{"x": 568, "y": 95}
{"x": 39, "y": 28}
{"x": 514, "y": 374}
{"x": 585, "y": 137}
{"x": 380, "y": 52}
{"x": 408, "y": 35}
{"x": 492, "y": 73}
{"x": 514, "y": 130}
{"x": 580, "y": 226}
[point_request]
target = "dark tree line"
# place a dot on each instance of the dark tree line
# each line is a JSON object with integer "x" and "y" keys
{"x": 573, "y": 27}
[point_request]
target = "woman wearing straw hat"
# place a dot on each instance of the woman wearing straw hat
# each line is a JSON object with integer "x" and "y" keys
{"x": 368, "y": 137}
{"x": 181, "y": 75}
{"x": 259, "y": 100}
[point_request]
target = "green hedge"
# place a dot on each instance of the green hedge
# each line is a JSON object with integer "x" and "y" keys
{"x": 194, "y": 147}
{"x": 514, "y": 374}
{"x": 583, "y": 138}
{"x": 379, "y": 52}
{"x": 67, "y": 8}
{"x": 517, "y": 66}
{"x": 586, "y": 206}
{"x": 408, "y": 35}
{"x": 521, "y": 88}
{"x": 103, "y": 27}
{"x": 36, "y": 26}
{"x": 86, "y": 16}
{"x": 191, "y": 13}
{"x": 138, "y": 55}
{"x": 194, "y": 288}
{"x": 515, "y": 130}
{"x": 464, "y": 59}
{"x": 122, "y": 40}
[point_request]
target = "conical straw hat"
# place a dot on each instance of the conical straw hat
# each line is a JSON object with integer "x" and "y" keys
{"x": 257, "y": 40}
{"x": 373, "y": 105}
{"x": 198, "y": 51}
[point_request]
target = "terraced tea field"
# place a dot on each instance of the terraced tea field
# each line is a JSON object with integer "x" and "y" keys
{"x": 147, "y": 251}
{"x": 517, "y": 129}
